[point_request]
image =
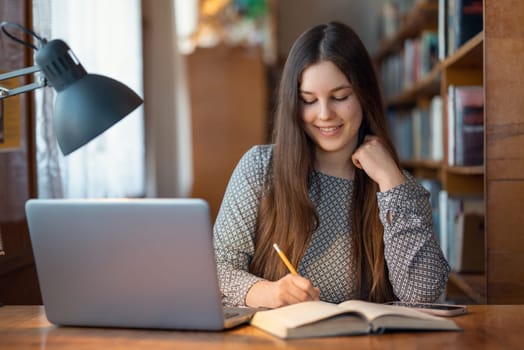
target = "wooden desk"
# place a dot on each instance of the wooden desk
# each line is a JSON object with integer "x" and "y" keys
{"x": 485, "y": 327}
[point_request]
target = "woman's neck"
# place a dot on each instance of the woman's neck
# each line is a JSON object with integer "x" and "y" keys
{"x": 335, "y": 164}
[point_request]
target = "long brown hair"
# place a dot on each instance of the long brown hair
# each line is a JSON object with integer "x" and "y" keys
{"x": 286, "y": 213}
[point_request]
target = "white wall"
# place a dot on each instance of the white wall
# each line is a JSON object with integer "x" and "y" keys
{"x": 294, "y": 16}
{"x": 166, "y": 106}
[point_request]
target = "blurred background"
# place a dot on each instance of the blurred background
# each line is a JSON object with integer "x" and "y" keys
{"x": 208, "y": 71}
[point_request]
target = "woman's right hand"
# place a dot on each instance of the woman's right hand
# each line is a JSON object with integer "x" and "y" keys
{"x": 290, "y": 289}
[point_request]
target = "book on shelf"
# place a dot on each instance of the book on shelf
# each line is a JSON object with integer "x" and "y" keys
{"x": 417, "y": 58}
{"x": 353, "y": 317}
{"x": 410, "y": 58}
{"x": 442, "y": 29}
{"x": 469, "y": 131}
{"x": 443, "y": 218}
{"x": 434, "y": 187}
{"x": 465, "y": 125}
{"x": 392, "y": 13}
{"x": 428, "y": 51}
{"x": 403, "y": 70}
{"x": 462, "y": 231}
{"x": 425, "y": 134}
{"x": 392, "y": 76}
{"x": 451, "y": 124}
{"x": 420, "y": 134}
{"x": 417, "y": 133}
{"x": 463, "y": 22}
{"x": 435, "y": 115}
{"x": 401, "y": 126}
{"x": 470, "y": 242}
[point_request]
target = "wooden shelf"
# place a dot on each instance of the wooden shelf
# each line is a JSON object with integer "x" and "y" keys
{"x": 458, "y": 180}
{"x": 466, "y": 170}
{"x": 423, "y": 16}
{"x": 426, "y": 169}
{"x": 492, "y": 59}
{"x": 472, "y": 285}
{"x": 415, "y": 163}
{"x": 429, "y": 86}
{"x": 462, "y": 184}
{"x": 468, "y": 55}
{"x": 463, "y": 67}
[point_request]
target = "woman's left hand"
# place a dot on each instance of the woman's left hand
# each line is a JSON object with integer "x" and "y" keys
{"x": 374, "y": 159}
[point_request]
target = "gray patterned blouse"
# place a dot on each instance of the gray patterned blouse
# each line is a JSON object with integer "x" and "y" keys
{"x": 417, "y": 268}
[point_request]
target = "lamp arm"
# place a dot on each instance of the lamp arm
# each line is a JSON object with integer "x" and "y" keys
{"x": 5, "y": 92}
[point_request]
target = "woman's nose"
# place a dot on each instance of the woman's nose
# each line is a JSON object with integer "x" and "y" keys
{"x": 326, "y": 112}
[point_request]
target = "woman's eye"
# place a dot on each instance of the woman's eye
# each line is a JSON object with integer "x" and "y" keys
{"x": 308, "y": 102}
{"x": 340, "y": 98}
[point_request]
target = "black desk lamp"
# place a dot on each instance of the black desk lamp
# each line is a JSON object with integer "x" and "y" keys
{"x": 86, "y": 104}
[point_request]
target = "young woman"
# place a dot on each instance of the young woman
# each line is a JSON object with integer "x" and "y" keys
{"x": 329, "y": 191}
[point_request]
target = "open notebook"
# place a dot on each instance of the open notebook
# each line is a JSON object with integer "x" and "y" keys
{"x": 141, "y": 263}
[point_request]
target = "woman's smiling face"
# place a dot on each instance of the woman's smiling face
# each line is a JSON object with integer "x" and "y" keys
{"x": 330, "y": 111}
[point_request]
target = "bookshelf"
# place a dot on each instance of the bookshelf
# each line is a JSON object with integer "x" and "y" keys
{"x": 463, "y": 67}
{"x": 427, "y": 86}
{"x": 424, "y": 15}
{"x": 467, "y": 288}
{"x": 491, "y": 58}
{"x": 504, "y": 150}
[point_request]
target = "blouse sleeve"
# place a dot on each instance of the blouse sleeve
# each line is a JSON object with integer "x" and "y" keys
{"x": 417, "y": 268}
{"x": 234, "y": 229}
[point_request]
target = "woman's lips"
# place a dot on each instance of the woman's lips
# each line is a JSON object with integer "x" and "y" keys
{"x": 329, "y": 130}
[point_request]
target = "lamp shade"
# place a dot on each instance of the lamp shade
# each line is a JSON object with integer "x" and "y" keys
{"x": 86, "y": 104}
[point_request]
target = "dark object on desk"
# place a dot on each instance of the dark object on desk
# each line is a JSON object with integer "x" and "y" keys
{"x": 142, "y": 263}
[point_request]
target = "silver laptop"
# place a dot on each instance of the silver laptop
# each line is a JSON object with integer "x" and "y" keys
{"x": 141, "y": 263}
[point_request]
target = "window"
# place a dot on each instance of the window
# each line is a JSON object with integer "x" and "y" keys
{"x": 107, "y": 39}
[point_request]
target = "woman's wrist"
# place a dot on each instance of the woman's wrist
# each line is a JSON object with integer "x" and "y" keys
{"x": 257, "y": 295}
{"x": 392, "y": 180}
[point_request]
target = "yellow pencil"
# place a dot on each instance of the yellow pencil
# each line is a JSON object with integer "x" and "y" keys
{"x": 285, "y": 260}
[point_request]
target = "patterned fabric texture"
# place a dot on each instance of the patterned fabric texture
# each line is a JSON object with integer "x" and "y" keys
{"x": 417, "y": 268}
